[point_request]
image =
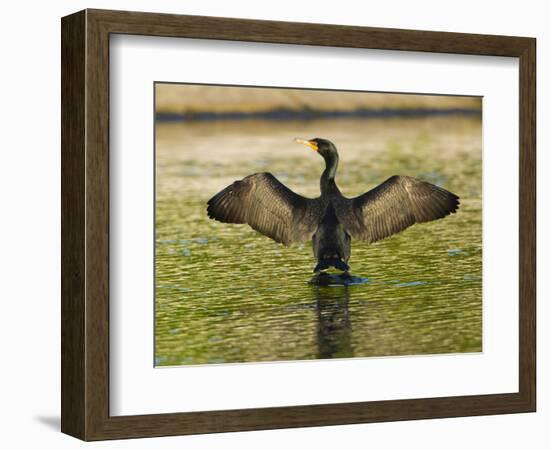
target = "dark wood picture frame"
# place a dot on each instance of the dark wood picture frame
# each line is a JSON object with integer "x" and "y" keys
{"x": 85, "y": 224}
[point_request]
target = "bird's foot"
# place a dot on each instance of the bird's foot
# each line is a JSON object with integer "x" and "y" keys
{"x": 321, "y": 278}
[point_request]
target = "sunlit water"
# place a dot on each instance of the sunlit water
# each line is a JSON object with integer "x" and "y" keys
{"x": 226, "y": 294}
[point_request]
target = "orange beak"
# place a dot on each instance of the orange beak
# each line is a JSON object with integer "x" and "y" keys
{"x": 310, "y": 144}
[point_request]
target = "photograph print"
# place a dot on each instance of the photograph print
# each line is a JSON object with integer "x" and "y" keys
{"x": 299, "y": 224}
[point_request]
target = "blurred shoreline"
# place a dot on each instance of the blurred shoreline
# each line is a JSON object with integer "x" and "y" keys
{"x": 183, "y": 102}
{"x": 284, "y": 114}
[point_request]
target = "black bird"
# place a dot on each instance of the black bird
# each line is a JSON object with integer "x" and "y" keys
{"x": 331, "y": 220}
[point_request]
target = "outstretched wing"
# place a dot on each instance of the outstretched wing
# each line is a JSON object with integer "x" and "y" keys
{"x": 268, "y": 206}
{"x": 395, "y": 205}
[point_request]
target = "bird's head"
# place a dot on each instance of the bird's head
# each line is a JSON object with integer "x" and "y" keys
{"x": 322, "y": 146}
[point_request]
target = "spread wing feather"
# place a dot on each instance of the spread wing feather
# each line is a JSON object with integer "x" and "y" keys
{"x": 395, "y": 205}
{"x": 268, "y": 206}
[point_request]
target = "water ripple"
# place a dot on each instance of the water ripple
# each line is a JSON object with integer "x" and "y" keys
{"x": 226, "y": 294}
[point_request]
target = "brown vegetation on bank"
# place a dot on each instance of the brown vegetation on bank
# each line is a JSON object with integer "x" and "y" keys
{"x": 185, "y": 99}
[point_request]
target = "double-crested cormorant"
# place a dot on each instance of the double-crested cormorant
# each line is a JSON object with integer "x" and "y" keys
{"x": 331, "y": 220}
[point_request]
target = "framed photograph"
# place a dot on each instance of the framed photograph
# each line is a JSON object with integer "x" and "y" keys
{"x": 272, "y": 225}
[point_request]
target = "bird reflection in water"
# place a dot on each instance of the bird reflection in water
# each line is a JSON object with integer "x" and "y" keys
{"x": 333, "y": 322}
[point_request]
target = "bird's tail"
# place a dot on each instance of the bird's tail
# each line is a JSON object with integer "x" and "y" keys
{"x": 325, "y": 263}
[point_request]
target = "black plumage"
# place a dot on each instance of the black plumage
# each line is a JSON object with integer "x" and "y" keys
{"x": 331, "y": 220}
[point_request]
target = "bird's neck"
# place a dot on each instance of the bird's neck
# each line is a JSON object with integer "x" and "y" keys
{"x": 327, "y": 178}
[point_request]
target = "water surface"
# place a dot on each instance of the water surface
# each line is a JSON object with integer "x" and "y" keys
{"x": 226, "y": 294}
